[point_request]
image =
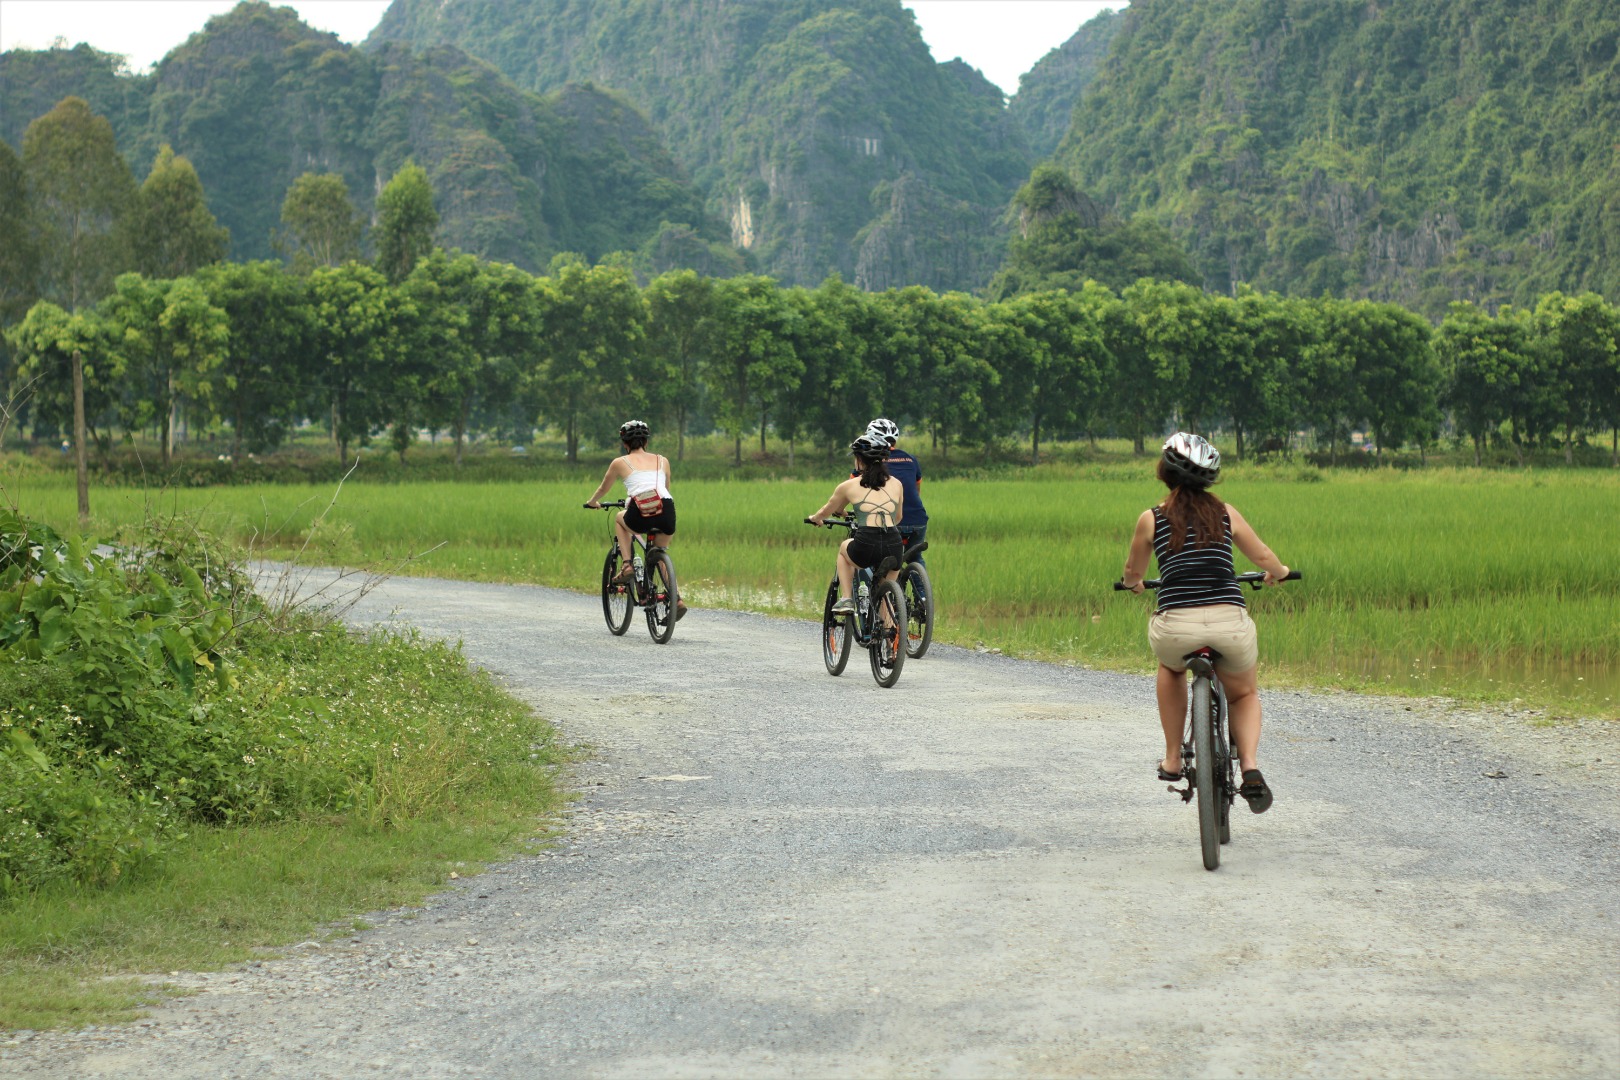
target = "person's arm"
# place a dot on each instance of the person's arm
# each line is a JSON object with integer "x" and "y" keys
{"x": 1254, "y": 549}
{"x": 834, "y": 504}
{"x": 608, "y": 478}
{"x": 1140, "y": 554}
{"x": 665, "y": 462}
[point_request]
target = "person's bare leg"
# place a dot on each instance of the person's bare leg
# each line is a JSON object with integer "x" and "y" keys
{"x": 624, "y": 537}
{"x": 1243, "y": 712}
{"x": 1172, "y": 693}
{"x": 846, "y": 572}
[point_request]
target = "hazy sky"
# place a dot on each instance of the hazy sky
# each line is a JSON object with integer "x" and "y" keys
{"x": 1002, "y": 38}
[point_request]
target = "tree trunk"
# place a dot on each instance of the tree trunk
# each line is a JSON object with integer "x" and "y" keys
{"x": 1478, "y": 438}
{"x": 790, "y": 451}
{"x": 1569, "y": 444}
{"x": 461, "y": 429}
{"x": 680, "y": 433}
{"x": 1035, "y": 440}
{"x": 737, "y": 454}
{"x": 236, "y": 437}
{"x": 81, "y": 462}
{"x": 1237, "y": 429}
{"x": 762, "y": 418}
{"x": 168, "y": 425}
{"x": 570, "y": 442}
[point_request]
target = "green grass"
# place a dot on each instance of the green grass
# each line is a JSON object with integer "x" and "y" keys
{"x": 1497, "y": 585}
{"x": 222, "y": 896}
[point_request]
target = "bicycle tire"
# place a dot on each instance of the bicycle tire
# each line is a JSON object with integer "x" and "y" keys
{"x": 888, "y": 648}
{"x": 919, "y": 592}
{"x": 1205, "y": 771}
{"x": 662, "y": 595}
{"x": 1226, "y": 753}
{"x": 615, "y": 598}
{"x": 835, "y": 635}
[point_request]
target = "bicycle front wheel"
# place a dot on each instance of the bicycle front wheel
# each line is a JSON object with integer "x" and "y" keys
{"x": 835, "y": 644}
{"x": 615, "y": 598}
{"x": 919, "y": 610}
{"x": 1205, "y": 772}
{"x": 888, "y": 647}
{"x": 661, "y": 596}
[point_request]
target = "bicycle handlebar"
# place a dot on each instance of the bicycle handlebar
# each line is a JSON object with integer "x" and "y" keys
{"x": 848, "y": 523}
{"x": 617, "y": 504}
{"x": 1254, "y": 579}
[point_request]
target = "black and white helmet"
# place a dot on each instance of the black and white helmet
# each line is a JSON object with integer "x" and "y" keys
{"x": 1191, "y": 459}
{"x": 634, "y": 429}
{"x": 885, "y": 429}
{"x": 868, "y": 447}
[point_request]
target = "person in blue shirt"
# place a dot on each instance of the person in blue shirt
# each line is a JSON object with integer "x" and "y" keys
{"x": 905, "y": 468}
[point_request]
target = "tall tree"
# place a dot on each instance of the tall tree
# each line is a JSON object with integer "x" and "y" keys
{"x": 406, "y": 221}
{"x": 753, "y": 360}
{"x": 355, "y": 318}
{"x": 172, "y": 339}
{"x": 1152, "y": 363}
{"x": 19, "y": 250}
{"x": 1580, "y": 336}
{"x": 319, "y": 225}
{"x": 592, "y": 321}
{"x": 1482, "y": 360}
{"x": 173, "y": 232}
{"x": 80, "y": 192}
{"x": 680, "y": 329}
{"x": 260, "y": 388}
{"x": 1064, "y": 360}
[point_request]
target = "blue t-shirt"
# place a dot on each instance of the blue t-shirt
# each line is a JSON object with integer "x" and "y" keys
{"x": 904, "y": 468}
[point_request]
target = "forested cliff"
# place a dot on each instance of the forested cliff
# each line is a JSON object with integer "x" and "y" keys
{"x": 821, "y": 130}
{"x": 258, "y": 98}
{"x": 1420, "y": 151}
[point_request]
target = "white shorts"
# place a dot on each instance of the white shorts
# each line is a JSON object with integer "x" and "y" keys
{"x": 1226, "y": 628}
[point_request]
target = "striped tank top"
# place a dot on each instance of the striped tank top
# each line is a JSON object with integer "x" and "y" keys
{"x": 1194, "y": 576}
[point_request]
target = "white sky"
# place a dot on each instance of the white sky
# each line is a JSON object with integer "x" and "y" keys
{"x": 1002, "y": 38}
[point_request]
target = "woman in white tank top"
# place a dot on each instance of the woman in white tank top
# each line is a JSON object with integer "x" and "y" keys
{"x": 650, "y": 508}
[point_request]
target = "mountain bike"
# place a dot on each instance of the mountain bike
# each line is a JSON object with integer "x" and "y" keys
{"x": 652, "y": 588}
{"x": 878, "y": 624}
{"x": 1208, "y": 754}
{"x": 919, "y": 590}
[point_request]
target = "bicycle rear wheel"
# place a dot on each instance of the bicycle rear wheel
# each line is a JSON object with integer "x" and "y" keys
{"x": 1205, "y": 771}
{"x": 615, "y": 598}
{"x": 919, "y": 610}
{"x": 661, "y": 595}
{"x": 835, "y": 643}
{"x": 1225, "y": 754}
{"x": 888, "y": 648}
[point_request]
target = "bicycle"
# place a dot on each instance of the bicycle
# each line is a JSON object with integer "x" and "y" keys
{"x": 1209, "y": 741}
{"x": 919, "y": 590}
{"x": 877, "y": 625}
{"x": 651, "y": 589}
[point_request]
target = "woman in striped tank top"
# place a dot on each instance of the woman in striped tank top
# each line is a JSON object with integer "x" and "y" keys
{"x": 1191, "y": 534}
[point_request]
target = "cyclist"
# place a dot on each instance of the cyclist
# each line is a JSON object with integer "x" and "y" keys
{"x": 1191, "y": 534}
{"x": 905, "y": 468}
{"x": 875, "y": 497}
{"x": 649, "y": 507}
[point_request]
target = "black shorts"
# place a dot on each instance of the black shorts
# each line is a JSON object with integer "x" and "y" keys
{"x": 868, "y": 547}
{"x": 662, "y": 522}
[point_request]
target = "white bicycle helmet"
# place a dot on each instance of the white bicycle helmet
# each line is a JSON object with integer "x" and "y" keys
{"x": 885, "y": 429}
{"x": 1191, "y": 459}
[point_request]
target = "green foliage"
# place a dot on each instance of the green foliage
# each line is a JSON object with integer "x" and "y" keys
{"x": 406, "y": 220}
{"x": 1048, "y": 91}
{"x": 319, "y": 225}
{"x": 19, "y": 249}
{"x": 173, "y": 231}
{"x": 592, "y": 320}
{"x": 80, "y": 196}
{"x": 1426, "y": 151}
{"x": 149, "y": 690}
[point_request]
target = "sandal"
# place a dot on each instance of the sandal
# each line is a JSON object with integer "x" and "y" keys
{"x": 624, "y": 576}
{"x": 1255, "y": 792}
{"x": 680, "y": 610}
{"x": 1168, "y": 777}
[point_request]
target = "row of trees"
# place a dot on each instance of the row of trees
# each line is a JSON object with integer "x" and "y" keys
{"x": 459, "y": 344}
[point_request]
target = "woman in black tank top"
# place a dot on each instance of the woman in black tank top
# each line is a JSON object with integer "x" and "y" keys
{"x": 1191, "y": 534}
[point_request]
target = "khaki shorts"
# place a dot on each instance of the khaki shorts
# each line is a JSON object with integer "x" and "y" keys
{"x": 1226, "y": 628}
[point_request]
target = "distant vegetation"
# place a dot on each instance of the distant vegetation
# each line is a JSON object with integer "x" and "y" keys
{"x": 1424, "y": 152}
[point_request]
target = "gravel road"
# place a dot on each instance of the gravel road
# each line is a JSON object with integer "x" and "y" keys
{"x": 770, "y": 872}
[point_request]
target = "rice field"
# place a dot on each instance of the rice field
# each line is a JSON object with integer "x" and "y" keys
{"x": 1477, "y": 584}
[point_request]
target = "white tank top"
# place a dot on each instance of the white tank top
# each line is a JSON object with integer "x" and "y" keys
{"x": 641, "y": 481}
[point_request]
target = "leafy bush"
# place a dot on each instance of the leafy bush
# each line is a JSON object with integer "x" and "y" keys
{"x": 147, "y": 688}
